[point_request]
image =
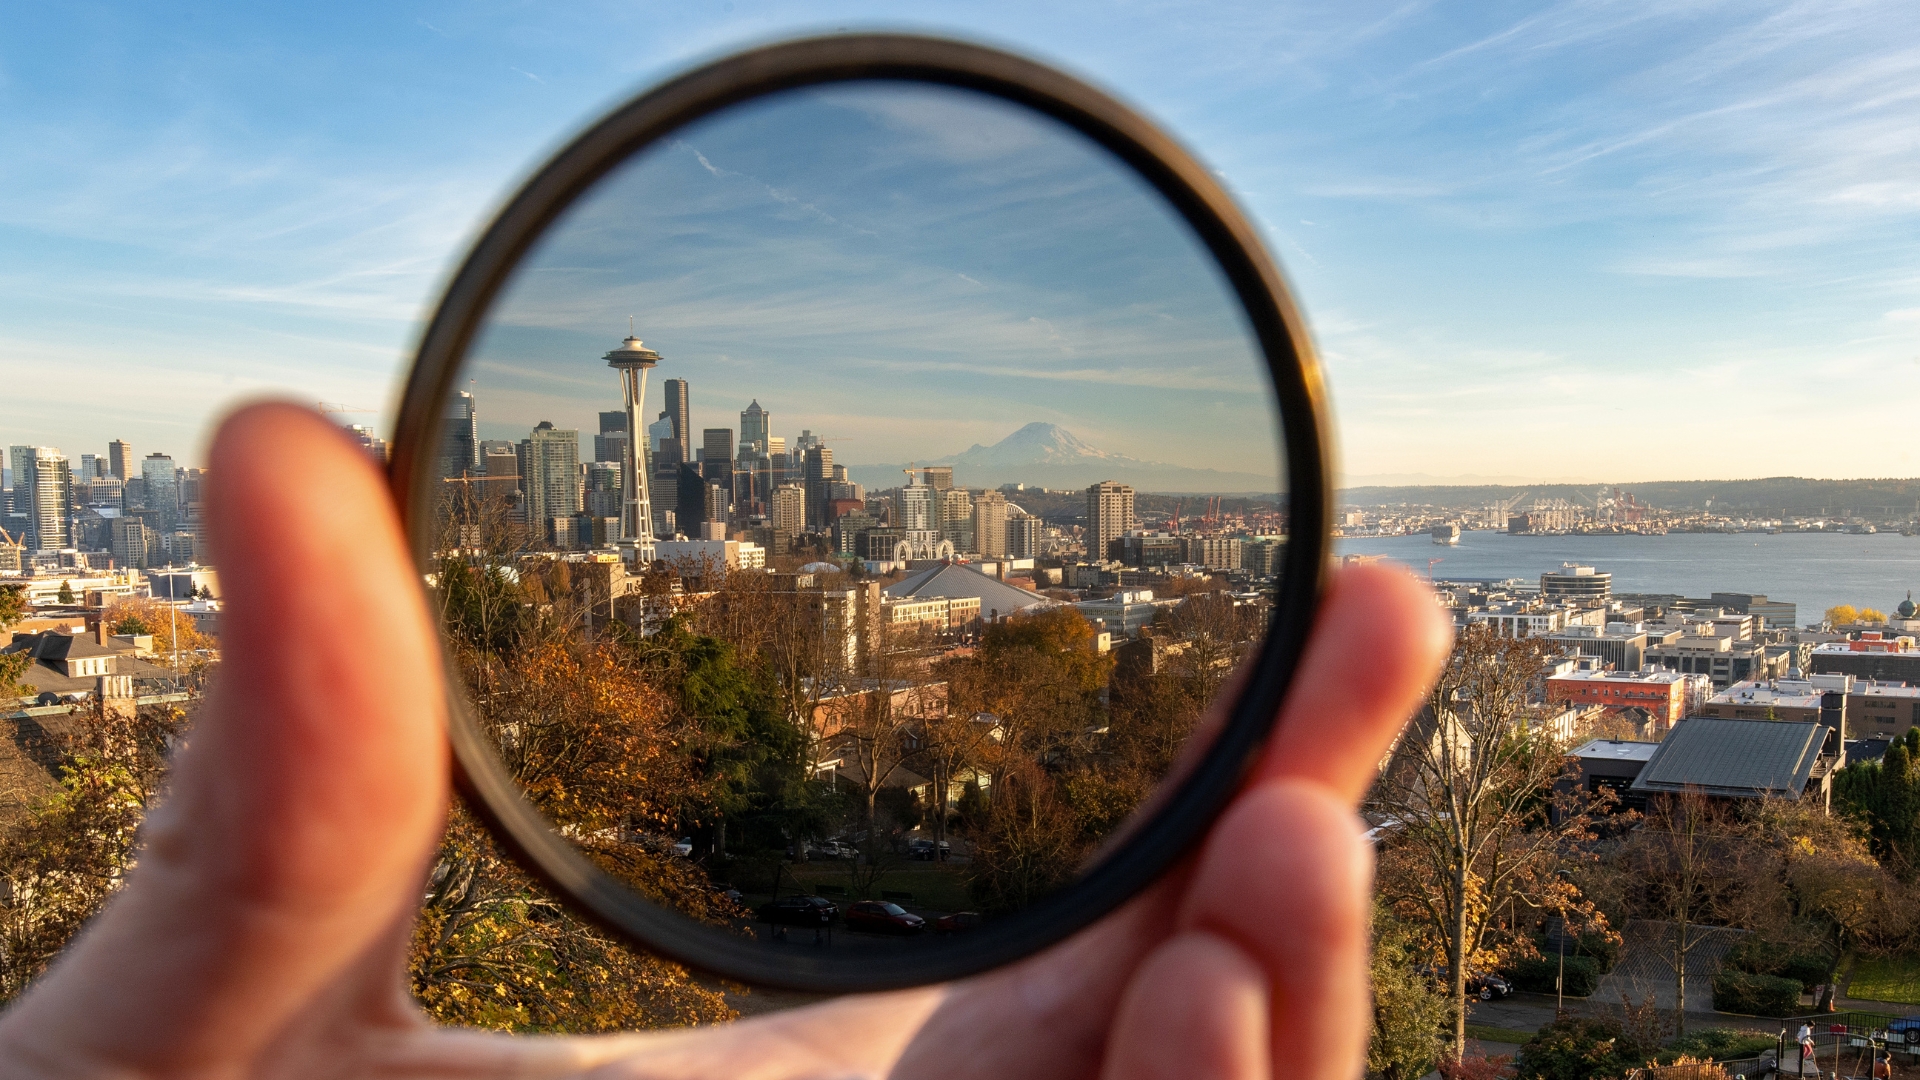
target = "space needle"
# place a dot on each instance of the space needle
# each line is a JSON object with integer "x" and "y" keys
{"x": 633, "y": 360}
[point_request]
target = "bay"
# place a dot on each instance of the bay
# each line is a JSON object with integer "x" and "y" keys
{"x": 1813, "y": 570}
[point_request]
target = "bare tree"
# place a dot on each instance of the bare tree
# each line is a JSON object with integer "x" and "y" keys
{"x": 1480, "y": 830}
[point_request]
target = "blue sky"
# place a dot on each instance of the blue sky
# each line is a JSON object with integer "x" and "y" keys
{"x": 1605, "y": 240}
{"x": 904, "y": 270}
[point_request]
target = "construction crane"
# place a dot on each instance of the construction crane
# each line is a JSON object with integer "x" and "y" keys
{"x": 1431, "y": 563}
{"x": 1178, "y": 503}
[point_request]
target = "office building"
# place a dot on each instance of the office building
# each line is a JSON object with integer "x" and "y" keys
{"x": 754, "y": 438}
{"x": 163, "y": 490}
{"x": 1582, "y": 584}
{"x": 817, "y": 474}
{"x": 990, "y": 524}
{"x": 1212, "y": 552}
{"x": 119, "y": 459}
{"x": 1621, "y": 646}
{"x": 1262, "y": 556}
{"x": 677, "y": 414}
{"x": 603, "y": 490}
{"x": 849, "y": 527}
{"x": 134, "y": 546}
{"x": 914, "y": 507}
{"x": 937, "y": 477}
{"x": 460, "y": 440}
{"x": 1109, "y": 516}
{"x": 610, "y": 444}
{"x": 1872, "y": 655}
{"x": 550, "y": 479}
{"x": 1667, "y": 697}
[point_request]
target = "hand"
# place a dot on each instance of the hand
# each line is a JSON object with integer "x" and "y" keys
{"x": 265, "y": 927}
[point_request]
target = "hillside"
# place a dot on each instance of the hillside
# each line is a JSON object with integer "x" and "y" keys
{"x": 1047, "y": 455}
{"x": 1773, "y": 496}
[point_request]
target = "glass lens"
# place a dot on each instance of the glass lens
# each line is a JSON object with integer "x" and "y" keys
{"x": 850, "y": 510}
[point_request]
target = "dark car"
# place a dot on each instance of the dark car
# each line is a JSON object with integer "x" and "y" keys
{"x": 923, "y": 850}
{"x": 800, "y": 911}
{"x": 880, "y": 917}
{"x": 957, "y": 922}
{"x": 1488, "y": 987}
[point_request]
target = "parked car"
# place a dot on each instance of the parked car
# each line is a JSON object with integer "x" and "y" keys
{"x": 830, "y": 849}
{"x": 1485, "y": 986}
{"x": 922, "y": 849}
{"x": 957, "y": 922}
{"x": 881, "y": 917}
{"x": 683, "y": 847}
{"x": 800, "y": 910}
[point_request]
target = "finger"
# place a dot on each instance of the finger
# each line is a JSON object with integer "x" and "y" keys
{"x": 1285, "y": 878}
{"x": 312, "y": 788}
{"x": 1376, "y": 647}
{"x": 1195, "y": 1010}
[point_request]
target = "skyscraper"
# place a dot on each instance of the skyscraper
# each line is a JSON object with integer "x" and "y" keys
{"x": 817, "y": 474}
{"x": 610, "y": 443}
{"x": 460, "y": 439}
{"x": 938, "y": 477}
{"x": 915, "y": 507}
{"x": 1023, "y": 533}
{"x": 754, "y": 442}
{"x": 953, "y": 516}
{"x": 1109, "y": 515}
{"x": 163, "y": 491}
{"x": 677, "y": 411}
{"x": 120, "y": 459}
{"x": 990, "y": 524}
{"x": 42, "y": 493}
{"x": 716, "y": 445}
{"x": 550, "y": 476}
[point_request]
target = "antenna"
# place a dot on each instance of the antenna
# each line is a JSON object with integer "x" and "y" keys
{"x": 629, "y": 326}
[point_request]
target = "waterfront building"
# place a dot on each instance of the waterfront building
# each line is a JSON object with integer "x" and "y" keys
{"x": 1872, "y": 655}
{"x": 1582, "y": 584}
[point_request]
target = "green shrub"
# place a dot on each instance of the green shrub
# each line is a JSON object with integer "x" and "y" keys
{"x": 1755, "y": 995}
{"x": 1604, "y": 950}
{"x": 1720, "y": 1044}
{"x": 1808, "y": 967}
{"x": 1536, "y": 976}
{"x": 1578, "y": 1048}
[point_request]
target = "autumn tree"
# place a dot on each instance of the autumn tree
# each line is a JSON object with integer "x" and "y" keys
{"x": 73, "y": 849}
{"x": 1684, "y": 861}
{"x": 13, "y": 604}
{"x": 1408, "y": 1014}
{"x": 173, "y": 634}
{"x": 1480, "y": 833}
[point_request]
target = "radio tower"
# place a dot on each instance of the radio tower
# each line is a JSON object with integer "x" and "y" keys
{"x": 632, "y": 360}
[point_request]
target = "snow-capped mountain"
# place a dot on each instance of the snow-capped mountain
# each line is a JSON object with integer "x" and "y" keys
{"x": 1048, "y": 455}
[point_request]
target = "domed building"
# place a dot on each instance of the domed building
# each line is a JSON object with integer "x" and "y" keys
{"x": 1906, "y": 617}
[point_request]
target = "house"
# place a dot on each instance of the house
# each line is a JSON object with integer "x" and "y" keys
{"x": 77, "y": 667}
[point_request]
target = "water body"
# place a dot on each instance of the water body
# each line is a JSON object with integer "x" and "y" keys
{"x": 1814, "y": 570}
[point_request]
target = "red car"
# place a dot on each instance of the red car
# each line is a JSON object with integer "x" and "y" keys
{"x": 958, "y": 921}
{"x": 879, "y": 917}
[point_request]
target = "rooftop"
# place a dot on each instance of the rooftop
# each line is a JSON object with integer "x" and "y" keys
{"x": 953, "y": 579}
{"x": 1617, "y": 750}
{"x": 1746, "y": 759}
{"x": 1661, "y": 678}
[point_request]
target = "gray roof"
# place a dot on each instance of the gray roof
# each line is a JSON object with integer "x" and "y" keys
{"x": 1734, "y": 758}
{"x": 1617, "y": 750}
{"x": 954, "y": 579}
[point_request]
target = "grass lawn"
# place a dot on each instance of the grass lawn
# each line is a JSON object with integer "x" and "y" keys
{"x": 1893, "y": 978}
{"x": 1500, "y": 1035}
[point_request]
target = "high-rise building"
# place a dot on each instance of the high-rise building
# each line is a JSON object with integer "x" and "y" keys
{"x": 43, "y": 495}
{"x": 120, "y": 459}
{"x": 914, "y": 506}
{"x": 550, "y": 476}
{"x": 937, "y": 477}
{"x": 89, "y": 468}
{"x": 754, "y": 440}
{"x": 610, "y": 444}
{"x": 460, "y": 440}
{"x": 1109, "y": 515}
{"x": 787, "y": 509}
{"x": 990, "y": 524}
{"x": 163, "y": 491}
{"x": 134, "y": 545}
{"x": 677, "y": 411}
{"x": 953, "y": 516}
{"x": 659, "y": 433}
{"x": 1023, "y": 533}
{"x": 818, "y": 476}
{"x": 604, "y": 493}
{"x": 716, "y": 445}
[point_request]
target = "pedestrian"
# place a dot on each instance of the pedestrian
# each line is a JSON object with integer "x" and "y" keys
{"x": 1806, "y": 1050}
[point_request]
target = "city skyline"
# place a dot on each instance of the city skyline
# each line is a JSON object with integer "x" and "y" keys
{"x": 1488, "y": 213}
